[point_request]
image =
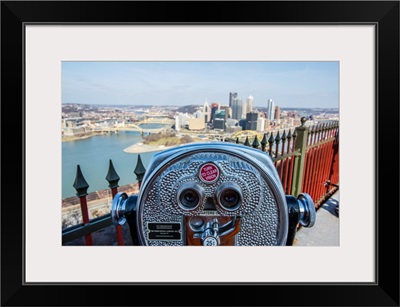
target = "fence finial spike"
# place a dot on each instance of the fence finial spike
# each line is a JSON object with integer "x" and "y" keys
{"x": 112, "y": 176}
{"x": 264, "y": 139}
{"x": 271, "y": 139}
{"x": 278, "y": 137}
{"x": 256, "y": 143}
{"x": 80, "y": 184}
{"x": 139, "y": 170}
{"x": 284, "y": 136}
{"x": 247, "y": 143}
{"x": 289, "y": 136}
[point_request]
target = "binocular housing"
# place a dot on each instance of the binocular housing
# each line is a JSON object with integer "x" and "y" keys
{"x": 212, "y": 194}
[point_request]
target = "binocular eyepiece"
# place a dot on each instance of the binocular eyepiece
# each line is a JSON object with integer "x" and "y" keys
{"x": 212, "y": 194}
{"x": 190, "y": 196}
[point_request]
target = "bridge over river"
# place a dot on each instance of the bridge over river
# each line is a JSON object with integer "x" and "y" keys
{"x": 141, "y": 126}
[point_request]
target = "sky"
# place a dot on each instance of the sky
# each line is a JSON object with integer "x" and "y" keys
{"x": 289, "y": 84}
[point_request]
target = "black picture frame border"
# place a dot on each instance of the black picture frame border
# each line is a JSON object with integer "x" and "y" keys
{"x": 383, "y": 14}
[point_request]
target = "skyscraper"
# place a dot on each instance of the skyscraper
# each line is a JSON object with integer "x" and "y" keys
{"x": 215, "y": 105}
{"x": 277, "y": 113}
{"x": 206, "y": 111}
{"x": 232, "y": 96}
{"x": 214, "y": 108}
{"x": 271, "y": 110}
{"x": 249, "y": 102}
{"x": 237, "y": 108}
{"x": 228, "y": 111}
{"x": 261, "y": 124}
{"x": 251, "y": 121}
{"x": 244, "y": 108}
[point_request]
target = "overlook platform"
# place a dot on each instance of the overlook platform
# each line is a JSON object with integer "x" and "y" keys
{"x": 325, "y": 231}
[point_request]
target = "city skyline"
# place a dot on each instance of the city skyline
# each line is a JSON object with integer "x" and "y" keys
{"x": 289, "y": 84}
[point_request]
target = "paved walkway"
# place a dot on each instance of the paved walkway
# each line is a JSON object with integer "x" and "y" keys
{"x": 325, "y": 231}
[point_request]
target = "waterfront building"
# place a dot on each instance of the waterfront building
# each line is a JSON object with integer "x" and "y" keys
{"x": 207, "y": 112}
{"x": 237, "y": 108}
{"x": 215, "y": 105}
{"x": 79, "y": 131}
{"x": 232, "y": 96}
{"x": 251, "y": 126}
{"x": 219, "y": 124}
{"x": 219, "y": 119}
{"x": 251, "y": 121}
{"x": 270, "y": 110}
{"x": 198, "y": 114}
{"x": 231, "y": 122}
{"x": 177, "y": 123}
{"x": 249, "y": 104}
{"x": 220, "y": 114}
{"x": 242, "y": 123}
{"x": 214, "y": 108}
{"x": 244, "y": 108}
{"x": 228, "y": 111}
{"x": 252, "y": 116}
{"x": 70, "y": 123}
{"x": 267, "y": 124}
{"x": 196, "y": 123}
{"x": 232, "y": 125}
{"x": 181, "y": 120}
{"x": 277, "y": 115}
{"x": 261, "y": 124}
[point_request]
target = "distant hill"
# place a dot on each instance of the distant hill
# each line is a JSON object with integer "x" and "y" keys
{"x": 188, "y": 109}
{"x": 72, "y": 107}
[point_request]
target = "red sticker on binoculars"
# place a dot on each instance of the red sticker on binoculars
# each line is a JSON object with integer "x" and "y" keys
{"x": 209, "y": 173}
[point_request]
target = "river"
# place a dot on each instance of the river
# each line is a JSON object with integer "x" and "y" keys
{"x": 93, "y": 156}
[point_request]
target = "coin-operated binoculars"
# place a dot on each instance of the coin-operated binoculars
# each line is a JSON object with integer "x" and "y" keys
{"x": 212, "y": 194}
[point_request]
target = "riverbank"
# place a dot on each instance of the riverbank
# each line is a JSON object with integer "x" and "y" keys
{"x": 70, "y": 138}
{"x": 140, "y": 147}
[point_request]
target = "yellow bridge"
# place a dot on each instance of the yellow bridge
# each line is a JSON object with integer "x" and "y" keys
{"x": 157, "y": 120}
{"x": 136, "y": 126}
{"x": 247, "y": 133}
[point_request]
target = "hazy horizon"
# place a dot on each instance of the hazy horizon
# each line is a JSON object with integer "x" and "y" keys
{"x": 305, "y": 84}
{"x": 178, "y": 106}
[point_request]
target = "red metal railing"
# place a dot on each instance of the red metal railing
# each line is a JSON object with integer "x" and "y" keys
{"x": 284, "y": 157}
{"x": 321, "y": 171}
